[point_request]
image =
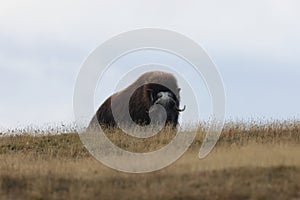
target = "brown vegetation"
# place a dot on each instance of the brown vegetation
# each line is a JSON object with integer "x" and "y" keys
{"x": 251, "y": 161}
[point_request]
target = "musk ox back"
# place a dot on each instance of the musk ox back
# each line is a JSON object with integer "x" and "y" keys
{"x": 149, "y": 89}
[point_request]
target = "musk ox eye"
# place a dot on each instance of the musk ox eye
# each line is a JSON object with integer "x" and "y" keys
{"x": 159, "y": 95}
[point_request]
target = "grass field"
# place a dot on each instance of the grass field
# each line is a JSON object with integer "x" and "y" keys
{"x": 252, "y": 160}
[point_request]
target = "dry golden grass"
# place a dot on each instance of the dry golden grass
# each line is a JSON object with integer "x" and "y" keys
{"x": 250, "y": 161}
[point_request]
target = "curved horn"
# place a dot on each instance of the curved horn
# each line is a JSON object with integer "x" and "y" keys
{"x": 180, "y": 110}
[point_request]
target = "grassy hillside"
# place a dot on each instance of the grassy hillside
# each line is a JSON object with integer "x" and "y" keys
{"x": 252, "y": 160}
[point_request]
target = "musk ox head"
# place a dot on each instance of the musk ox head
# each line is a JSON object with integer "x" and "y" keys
{"x": 150, "y": 89}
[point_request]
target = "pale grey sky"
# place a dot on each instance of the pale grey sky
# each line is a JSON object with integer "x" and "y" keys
{"x": 255, "y": 45}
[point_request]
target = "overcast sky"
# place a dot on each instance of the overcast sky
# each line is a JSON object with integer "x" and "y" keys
{"x": 255, "y": 45}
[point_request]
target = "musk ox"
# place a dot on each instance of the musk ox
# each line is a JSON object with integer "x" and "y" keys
{"x": 151, "y": 88}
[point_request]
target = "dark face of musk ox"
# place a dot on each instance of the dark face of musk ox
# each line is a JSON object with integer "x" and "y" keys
{"x": 156, "y": 88}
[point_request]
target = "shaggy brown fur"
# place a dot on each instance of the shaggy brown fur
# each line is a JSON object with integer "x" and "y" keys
{"x": 151, "y": 84}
